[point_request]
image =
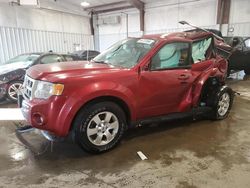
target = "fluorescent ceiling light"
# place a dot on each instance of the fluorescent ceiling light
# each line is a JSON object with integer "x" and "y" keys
{"x": 85, "y": 4}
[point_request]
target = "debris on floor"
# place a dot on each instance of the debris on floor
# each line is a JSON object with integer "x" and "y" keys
{"x": 141, "y": 155}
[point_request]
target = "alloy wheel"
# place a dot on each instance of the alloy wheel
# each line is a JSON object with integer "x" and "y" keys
{"x": 13, "y": 90}
{"x": 102, "y": 128}
{"x": 223, "y": 105}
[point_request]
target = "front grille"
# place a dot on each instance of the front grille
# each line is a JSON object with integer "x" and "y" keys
{"x": 28, "y": 86}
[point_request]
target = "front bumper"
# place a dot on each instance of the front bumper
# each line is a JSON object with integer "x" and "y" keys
{"x": 45, "y": 115}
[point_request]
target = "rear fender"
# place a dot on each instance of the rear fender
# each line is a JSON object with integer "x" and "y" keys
{"x": 199, "y": 84}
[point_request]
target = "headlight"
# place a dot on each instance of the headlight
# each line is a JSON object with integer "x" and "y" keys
{"x": 44, "y": 90}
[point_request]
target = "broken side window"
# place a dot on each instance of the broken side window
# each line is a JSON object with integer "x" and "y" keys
{"x": 199, "y": 50}
{"x": 171, "y": 55}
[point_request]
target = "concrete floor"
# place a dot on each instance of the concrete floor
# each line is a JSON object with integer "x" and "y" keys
{"x": 180, "y": 154}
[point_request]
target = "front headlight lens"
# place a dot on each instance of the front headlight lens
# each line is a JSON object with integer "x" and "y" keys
{"x": 44, "y": 90}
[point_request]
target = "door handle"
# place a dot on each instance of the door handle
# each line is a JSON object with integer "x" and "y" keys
{"x": 183, "y": 77}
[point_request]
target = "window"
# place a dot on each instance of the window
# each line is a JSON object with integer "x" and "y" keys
{"x": 126, "y": 53}
{"x": 84, "y": 53}
{"x": 25, "y": 58}
{"x": 93, "y": 53}
{"x": 247, "y": 43}
{"x": 51, "y": 59}
{"x": 68, "y": 58}
{"x": 172, "y": 55}
{"x": 200, "y": 50}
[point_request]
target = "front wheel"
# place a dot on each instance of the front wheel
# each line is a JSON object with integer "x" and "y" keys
{"x": 223, "y": 103}
{"x": 13, "y": 89}
{"x": 99, "y": 127}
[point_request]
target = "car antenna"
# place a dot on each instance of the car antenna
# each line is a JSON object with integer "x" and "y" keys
{"x": 196, "y": 27}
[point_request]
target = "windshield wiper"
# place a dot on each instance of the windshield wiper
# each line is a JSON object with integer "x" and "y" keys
{"x": 103, "y": 62}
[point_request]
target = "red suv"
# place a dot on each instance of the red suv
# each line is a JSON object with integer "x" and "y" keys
{"x": 137, "y": 81}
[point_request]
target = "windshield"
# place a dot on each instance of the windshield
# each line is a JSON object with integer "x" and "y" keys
{"x": 25, "y": 58}
{"x": 126, "y": 53}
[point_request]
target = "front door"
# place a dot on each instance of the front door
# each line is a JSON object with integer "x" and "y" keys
{"x": 168, "y": 82}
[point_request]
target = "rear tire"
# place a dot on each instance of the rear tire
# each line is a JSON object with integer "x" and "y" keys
{"x": 223, "y": 100}
{"x": 99, "y": 127}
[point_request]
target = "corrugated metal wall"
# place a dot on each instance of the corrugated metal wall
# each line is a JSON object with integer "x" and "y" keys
{"x": 107, "y": 40}
{"x": 14, "y": 41}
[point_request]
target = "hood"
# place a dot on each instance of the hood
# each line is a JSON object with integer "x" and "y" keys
{"x": 5, "y": 68}
{"x": 55, "y": 71}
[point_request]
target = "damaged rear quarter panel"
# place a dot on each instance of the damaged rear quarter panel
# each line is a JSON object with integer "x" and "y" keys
{"x": 218, "y": 69}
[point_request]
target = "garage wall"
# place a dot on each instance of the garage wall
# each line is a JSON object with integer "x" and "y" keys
{"x": 239, "y": 18}
{"x": 26, "y": 29}
{"x": 163, "y": 17}
{"x": 160, "y": 17}
{"x": 109, "y": 34}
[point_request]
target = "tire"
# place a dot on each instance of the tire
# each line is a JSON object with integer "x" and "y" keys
{"x": 94, "y": 122}
{"x": 247, "y": 72}
{"x": 12, "y": 89}
{"x": 223, "y": 103}
{"x": 2, "y": 99}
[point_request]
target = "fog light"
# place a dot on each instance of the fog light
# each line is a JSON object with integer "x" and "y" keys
{"x": 38, "y": 119}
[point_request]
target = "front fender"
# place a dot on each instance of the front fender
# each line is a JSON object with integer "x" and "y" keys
{"x": 16, "y": 75}
{"x": 81, "y": 96}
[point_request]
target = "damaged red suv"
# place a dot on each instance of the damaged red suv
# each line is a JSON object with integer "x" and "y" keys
{"x": 135, "y": 82}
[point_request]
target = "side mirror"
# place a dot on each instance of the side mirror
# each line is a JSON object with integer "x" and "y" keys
{"x": 146, "y": 67}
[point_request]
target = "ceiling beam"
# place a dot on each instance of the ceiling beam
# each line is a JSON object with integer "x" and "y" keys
{"x": 117, "y": 6}
{"x": 142, "y": 20}
{"x": 91, "y": 21}
{"x": 106, "y": 6}
{"x": 141, "y": 7}
{"x": 223, "y": 11}
{"x": 137, "y": 3}
{"x": 112, "y": 9}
